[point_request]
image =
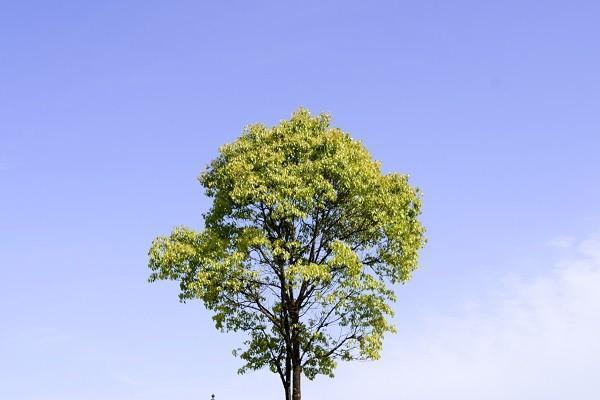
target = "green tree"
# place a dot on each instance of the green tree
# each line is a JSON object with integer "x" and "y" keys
{"x": 301, "y": 247}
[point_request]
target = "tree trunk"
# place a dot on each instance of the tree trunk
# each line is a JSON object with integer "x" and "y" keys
{"x": 288, "y": 378}
{"x": 296, "y": 382}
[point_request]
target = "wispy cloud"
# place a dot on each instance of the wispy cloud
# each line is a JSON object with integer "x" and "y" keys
{"x": 562, "y": 242}
{"x": 538, "y": 340}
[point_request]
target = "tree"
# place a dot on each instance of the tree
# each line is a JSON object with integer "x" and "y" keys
{"x": 301, "y": 247}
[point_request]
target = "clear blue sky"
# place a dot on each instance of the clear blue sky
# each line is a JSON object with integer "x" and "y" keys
{"x": 109, "y": 110}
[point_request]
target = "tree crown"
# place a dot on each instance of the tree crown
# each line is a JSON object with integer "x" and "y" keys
{"x": 304, "y": 239}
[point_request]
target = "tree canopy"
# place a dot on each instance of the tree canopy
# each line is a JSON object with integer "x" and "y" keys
{"x": 301, "y": 247}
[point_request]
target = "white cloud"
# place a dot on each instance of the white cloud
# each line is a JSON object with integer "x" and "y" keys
{"x": 540, "y": 339}
{"x": 562, "y": 242}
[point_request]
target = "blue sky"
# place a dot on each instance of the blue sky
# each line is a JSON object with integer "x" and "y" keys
{"x": 109, "y": 110}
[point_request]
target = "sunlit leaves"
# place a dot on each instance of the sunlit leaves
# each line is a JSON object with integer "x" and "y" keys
{"x": 302, "y": 244}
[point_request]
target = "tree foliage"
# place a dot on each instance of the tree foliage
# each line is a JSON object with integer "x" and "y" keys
{"x": 304, "y": 241}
